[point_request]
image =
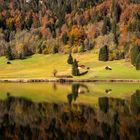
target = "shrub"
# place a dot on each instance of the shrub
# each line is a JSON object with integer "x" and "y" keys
{"x": 135, "y": 51}
{"x": 104, "y": 53}
{"x": 138, "y": 62}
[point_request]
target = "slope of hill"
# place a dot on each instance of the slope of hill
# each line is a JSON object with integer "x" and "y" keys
{"x": 30, "y": 27}
{"x": 51, "y": 26}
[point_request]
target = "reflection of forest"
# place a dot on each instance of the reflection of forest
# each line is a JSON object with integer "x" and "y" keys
{"x": 21, "y": 119}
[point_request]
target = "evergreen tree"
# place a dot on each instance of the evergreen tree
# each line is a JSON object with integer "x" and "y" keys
{"x": 9, "y": 54}
{"x": 135, "y": 51}
{"x": 113, "y": 6}
{"x": 117, "y": 12}
{"x": 135, "y": 25}
{"x": 70, "y": 59}
{"x": 106, "y": 26}
{"x": 114, "y": 31}
{"x": 29, "y": 22}
{"x": 138, "y": 62}
{"x": 114, "y": 27}
{"x": 7, "y": 35}
{"x": 104, "y": 53}
{"x": 75, "y": 70}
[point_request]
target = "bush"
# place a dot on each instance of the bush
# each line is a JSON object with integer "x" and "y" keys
{"x": 135, "y": 51}
{"x": 104, "y": 53}
{"x": 138, "y": 62}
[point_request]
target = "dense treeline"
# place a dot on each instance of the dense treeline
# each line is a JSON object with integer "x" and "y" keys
{"x": 69, "y": 26}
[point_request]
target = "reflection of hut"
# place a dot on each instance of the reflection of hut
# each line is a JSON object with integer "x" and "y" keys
{"x": 108, "y": 91}
{"x": 108, "y": 68}
{"x": 81, "y": 91}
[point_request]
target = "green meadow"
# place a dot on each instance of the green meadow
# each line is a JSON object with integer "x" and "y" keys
{"x": 42, "y": 66}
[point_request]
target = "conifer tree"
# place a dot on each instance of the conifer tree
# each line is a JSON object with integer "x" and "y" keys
{"x": 9, "y": 53}
{"x": 135, "y": 51}
{"x": 70, "y": 59}
{"x": 117, "y": 12}
{"x": 75, "y": 70}
{"x": 104, "y": 53}
{"x": 138, "y": 62}
{"x": 106, "y": 26}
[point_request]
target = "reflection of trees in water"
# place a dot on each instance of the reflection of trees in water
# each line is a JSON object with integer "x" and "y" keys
{"x": 115, "y": 119}
{"x": 54, "y": 86}
{"x": 75, "y": 91}
{"x": 135, "y": 102}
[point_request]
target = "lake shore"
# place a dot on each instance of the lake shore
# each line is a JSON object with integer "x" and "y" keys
{"x": 63, "y": 80}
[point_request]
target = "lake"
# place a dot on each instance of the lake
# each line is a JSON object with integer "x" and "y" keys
{"x": 78, "y": 111}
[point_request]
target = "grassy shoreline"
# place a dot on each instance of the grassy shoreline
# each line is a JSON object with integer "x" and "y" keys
{"x": 69, "y": 80}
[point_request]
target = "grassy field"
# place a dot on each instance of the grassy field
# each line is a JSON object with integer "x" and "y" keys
{"x": 48, "y": 92}
{"x": 42, "y": 66}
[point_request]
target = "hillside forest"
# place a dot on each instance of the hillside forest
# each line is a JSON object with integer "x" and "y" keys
{"x": 30, "y": 27}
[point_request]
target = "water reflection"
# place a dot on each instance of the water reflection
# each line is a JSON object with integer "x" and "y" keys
{"x": 76, "y": 89}
{"x": 115, "y": 119}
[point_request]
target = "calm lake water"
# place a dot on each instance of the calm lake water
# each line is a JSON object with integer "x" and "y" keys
{"x": 80, "y": 111}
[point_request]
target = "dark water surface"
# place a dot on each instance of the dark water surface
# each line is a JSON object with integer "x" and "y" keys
{"x": 69, "y": 112}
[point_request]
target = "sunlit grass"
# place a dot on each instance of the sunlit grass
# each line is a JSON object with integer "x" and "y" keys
{"x": 42, "y": 66}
